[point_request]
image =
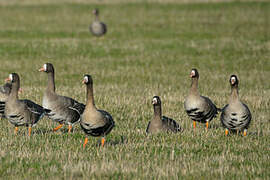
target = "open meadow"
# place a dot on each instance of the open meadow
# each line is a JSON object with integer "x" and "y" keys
{"x": 149, "y": 50}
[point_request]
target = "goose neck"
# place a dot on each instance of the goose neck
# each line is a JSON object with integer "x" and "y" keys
{"x": 14, "y": 90}
{"x": 234, "y": 93}
{"x": 194, "y": 87}
{"x": 157, "y": 112}
{"x": 51, "y": 82}
{"x": 97, "y": 18}
{"x": 90, "y": 96}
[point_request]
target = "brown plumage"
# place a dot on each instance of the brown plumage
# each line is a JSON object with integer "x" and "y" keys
{"x": 161, "y": 123}
{"x": 94, "y": 122}
{"x": 21, "y": 112}
{"x": 199, "y": 108}
{"x": 236, "y": 115}
{"x": 63, "y": 110}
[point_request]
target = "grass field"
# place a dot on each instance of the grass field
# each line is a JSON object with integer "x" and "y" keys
{"x": 149, "y": 50}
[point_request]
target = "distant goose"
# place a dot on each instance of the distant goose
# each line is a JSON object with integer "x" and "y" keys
{"x": 199, "y": 108}
{"x": 97, "y": 28}
{"x": 4, "y": 93}
{"x": 64, "y": 110}
{"x": 95, "y": 122}
{"x": 21, "y": 112}
{"x": 161, "y": 123}
{"x": 235, "y": 116}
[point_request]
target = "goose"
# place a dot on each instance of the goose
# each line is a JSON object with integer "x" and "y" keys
{"x": 199, "y": 108}
{"x": 21, "y": 112}
{"x": 4, "y": 93}
{"x": 236, "y": 115}
{"x": 95, "y": 122}
{"x": 161, "y": 123}
{"x": 63, "y": 110}
{"x": 97, "y": 28}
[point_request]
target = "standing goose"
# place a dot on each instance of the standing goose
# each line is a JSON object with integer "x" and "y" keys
{"x": 63, "y": 110}
{"x": 21, "y": 112}
{"x": 199, "y": 108}
{"x": 161, "y": 123}
{"x": 235, "y": 116}
{"x": 97, "y": 28}
{"x": 4, "y": 93}
{"x": 95, "y": 122}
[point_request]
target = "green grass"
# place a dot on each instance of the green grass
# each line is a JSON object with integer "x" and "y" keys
{"x": 149, "y": 50}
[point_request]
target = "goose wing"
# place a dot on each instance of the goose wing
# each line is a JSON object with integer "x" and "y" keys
{"x": 147, "y": 129}
{"x": 171, "y": 124}
{"x": 2, "y": 108}
{"x": 97, "y": 129}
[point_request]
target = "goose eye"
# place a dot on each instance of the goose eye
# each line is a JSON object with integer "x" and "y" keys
{"x": 85, "y": 79}
{"x": 45, "y": 67}
{"x": 10, "y": 77}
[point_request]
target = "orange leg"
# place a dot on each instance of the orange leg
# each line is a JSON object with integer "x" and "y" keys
{"x": 194, "y": 124}
{"x": 226, "y": 132}
{"x": 85, "y": 142}
{"x": 69, "y": 128}
{"x": 207, "y": 125}
{"x": 245, "y": 132}
{"x": 102, "y": 141}
{"x": 58, "y": 127}
{"x": 16, "y": 130}
{"x": 29, "y": 130}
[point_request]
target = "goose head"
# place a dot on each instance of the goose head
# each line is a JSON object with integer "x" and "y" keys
{"x": 87, "y": 79}
{"x": 95, "y": 12}
{"x": 156, "y": 101}
{"x": 233, "y": 80}
{"x": 47, "y": 67}
{"x": 13, "y": 78}
{"x": 194, "y": 73}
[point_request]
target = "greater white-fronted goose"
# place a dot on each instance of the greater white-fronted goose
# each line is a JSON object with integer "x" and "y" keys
{"x": 97, "y": 28}
{"x": 4, "y": 93}
{"x": 21, "y": 112}
{"x": 199, "y": 108}
{"x": 161, "y": 123}
{"x": 235, "y": 116}
{"x": 94, "y": 122}
{"x": 63, "y": 110}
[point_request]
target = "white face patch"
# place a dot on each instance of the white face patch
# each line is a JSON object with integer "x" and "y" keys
{"x": 154, "y": 101}
{"x": 233, "y": 80}
{"x": 85, "y": 79}
{"x": 192, "y": 73}
{"x": 10, "y": 77}
{"x": 45, "y": 67}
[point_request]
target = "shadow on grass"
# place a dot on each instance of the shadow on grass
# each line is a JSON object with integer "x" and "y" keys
{"x": 42, "y": 131}
{"x": 118, "y": 141}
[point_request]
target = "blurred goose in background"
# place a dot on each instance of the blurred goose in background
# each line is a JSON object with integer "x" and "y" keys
{"x": 199, "y": 108}
{"x": 4, "y": 93}
{"x": 97, "y": 28}
{"x": 95, "y": 122}
{"x": 63, "y": 110}
{"x": 21, "y": 112}
{"x": 161, "y": 123}
{"x": 235, "y": 116}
